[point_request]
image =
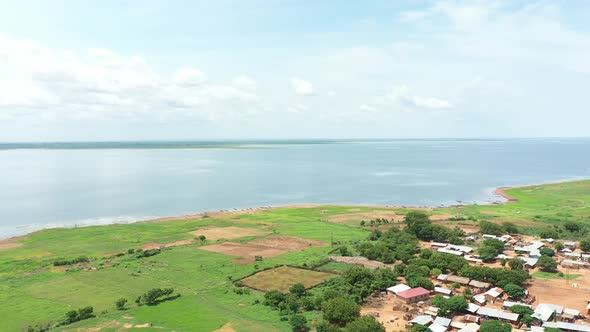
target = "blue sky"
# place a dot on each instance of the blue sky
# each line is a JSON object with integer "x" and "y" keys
{"x": 133, "y": 70}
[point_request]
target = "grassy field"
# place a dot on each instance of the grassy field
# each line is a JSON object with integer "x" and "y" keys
{"x": 282, "y": 278}
{"x": 32, "y": 290}
{"x": 549, "y": 275}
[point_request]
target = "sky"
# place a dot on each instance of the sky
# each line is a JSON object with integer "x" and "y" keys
{"x": 181, "y": 70}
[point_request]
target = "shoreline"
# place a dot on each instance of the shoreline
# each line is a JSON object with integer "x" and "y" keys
{"x": 499, "y": 192}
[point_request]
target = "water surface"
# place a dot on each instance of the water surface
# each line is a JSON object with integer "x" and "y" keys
{"x": 58, "y": 184}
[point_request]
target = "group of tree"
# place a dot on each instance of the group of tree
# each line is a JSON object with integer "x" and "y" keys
{"x": 448, "y": 306}
{"x": 155, "y": 296}
{"x": 376, "y": 221}
{"x": 73, "y": 316}
{"x": 496, "y": 276}
{"x": 525, "y": 313}
{"x": 418, "y": 223}
{"x": 567, "y": 229}
{"x": 389, "y": 246}
{"x": 490, "y": 248}
{"x": 77, "y": 260}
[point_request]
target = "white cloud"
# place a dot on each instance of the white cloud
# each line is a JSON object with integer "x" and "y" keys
{"x": 103, "y": 81}
{"x": 244, "y": 82}
{"x": 302, "y": 87}
{"x": 402, "y": 97}
{"x": 189, "y": 77}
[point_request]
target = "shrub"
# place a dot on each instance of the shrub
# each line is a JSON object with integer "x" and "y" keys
{"x": 120, "y": 303}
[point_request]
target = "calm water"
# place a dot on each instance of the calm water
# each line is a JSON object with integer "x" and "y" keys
{"x": 64, "y": 185}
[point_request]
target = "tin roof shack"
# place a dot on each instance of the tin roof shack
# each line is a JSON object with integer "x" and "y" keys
{"x": 570, "y": 244}
{"x": 479, "y": 284}
{"x": 493, "y": 294}
{"x": 546, "y": 311}
{"x": 498, "y": 314}
{"x": 421, "y": 320}
{"x": 568, "y": 263}
{"x": 570, "y": 315}
{"x": 449, "y": 278}
{"x": 567, "y": 327}
{"x": 398, "y": 288}
{"x": 443, "y": 291}
{"x": 414, "y": 295}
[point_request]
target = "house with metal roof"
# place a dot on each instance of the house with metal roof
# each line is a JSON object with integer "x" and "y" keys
{"x": 414, "y": 294}
{"x": 398, "y": 288}
{"x": 442, "y": 290}
{"x": 442, "y": 321}
{"x": 566, "y": 327}
{"x": 545, "y": 311}
{"x": 498, "y": 314}
{"x": 422, "y": 320}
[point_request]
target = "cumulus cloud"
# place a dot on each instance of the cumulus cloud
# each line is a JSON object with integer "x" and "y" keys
{"x": 302, "y": 87}
{"x": 244, "y": 82}
{"x": 402, "y": 96}
{"x": 189, "y": 77}
{"x": 103, "y": 80}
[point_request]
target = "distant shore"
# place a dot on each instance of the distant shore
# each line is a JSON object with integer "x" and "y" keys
{"x": 500, "y": 192}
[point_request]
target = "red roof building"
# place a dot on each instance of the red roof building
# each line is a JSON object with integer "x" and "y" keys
{"x": 414, "y": 294}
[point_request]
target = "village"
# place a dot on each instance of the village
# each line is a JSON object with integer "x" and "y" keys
{"x": 559, "y": 302}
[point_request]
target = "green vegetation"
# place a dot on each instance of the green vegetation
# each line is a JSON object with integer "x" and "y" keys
{"x": 54, "y": 271}
{"x": 549, "y": 275}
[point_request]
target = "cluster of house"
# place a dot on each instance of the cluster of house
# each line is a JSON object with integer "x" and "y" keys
{"x": 550, "y": 315}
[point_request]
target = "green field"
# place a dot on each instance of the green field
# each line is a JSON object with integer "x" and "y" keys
{"x": 32, "y": 290}
{"x": 549, "y": 275}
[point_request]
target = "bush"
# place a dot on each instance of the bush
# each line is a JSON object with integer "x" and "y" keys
{"x": 514, "y": 291}
{"x": 298, "y": 323}
{"x": 340, "y": 310}
{"x": 75, "y": 316}
{"x": 154, "y": 296}
{"x": 365, "y": 324}
{"x": 495, "y": 326}
{"x": 585, "y": 244}
{"x": 547, "y": 264}
{"x": 297, "y": 290}
{"x": 77, "y": 260}
{"x": 120, "y": 303}
{"x": 487, "y": 227}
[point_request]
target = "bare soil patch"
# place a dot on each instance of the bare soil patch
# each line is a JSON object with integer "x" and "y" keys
{"x": 283, "y": 277}
{"x": 156, "y": 245}
{"x": 441, "y": 217}
{"x": 228, "y": 233}
{"x": 228, "y": 327}
{"x": 388, "y": 310}
{"x": 287, "y": 243}
{"x": 246, "y": 252}
{"x": 361, "y": 261}
{"x": 571, "y": 294}
{"x": 11, "y": 243}
{"x": 367, "y": 215}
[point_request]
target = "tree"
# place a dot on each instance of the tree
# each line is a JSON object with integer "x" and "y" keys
{"x": 521, "y": 309}
{"x": 448, "y": 306}
{"x": 495, "y": 326}
{"x": 547, "y": 252}
{"x": 273, "y": 298}
{"x": 297, "y": 290}
{"x": 509, "y": 227}
{"x": 120, "y": 303}
{"x": 154, "y": 296}
{"x": 487, "y": 253}
{"x": 487, "y": 227}
{"x": 552, "y": 329}
{"x": 494, "y": 243}
{"x": 572, "y": 227}
{"x": 423, "y": 282}
{"x": 558, "y": 246}
{"x": 516, "y": 264}
{"x": 298, "y": 323}
{"x": 514, "y": 291}
{"x": 420, "y": 328}
{"x": 202, "y": 238}
{"x": 547, "y": 264}
{"x": 340, "y": 310}
{"x": 585, "y": 245}
{"x": 324, "y": 326}
{"x": 365, "y": 324}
